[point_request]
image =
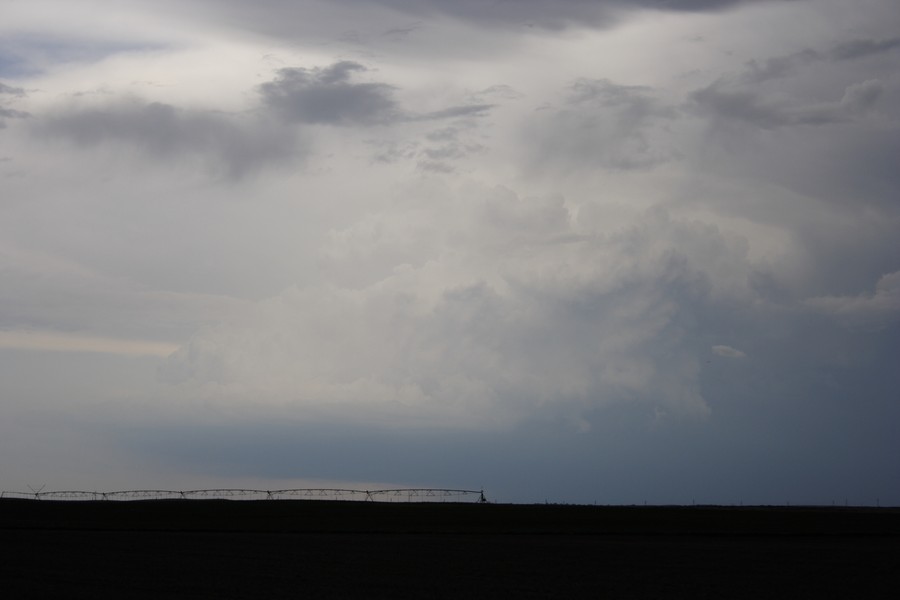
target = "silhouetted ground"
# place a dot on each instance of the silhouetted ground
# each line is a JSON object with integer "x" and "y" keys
{"x": 319, "y": 549}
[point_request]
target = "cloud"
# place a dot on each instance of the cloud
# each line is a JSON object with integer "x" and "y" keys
{"x": 479, "y": 309}
{"x": 546, "y": 14}
{"x": 382, "y": 294}
{"x": 228, "y": 144}
{"x": 59, "y": 342}
{"x": 278, "y": 16}
{"x": 728, "y": 352}
{"x": 11, "y": 113}
{"x": 603, "y": 124}
{"x": 454, "y": 112}
{"x": 11, "y": 91}
{"x": 328, "y": 96}
{"x": 865, "y": 311}
{"x": 855, "y": 49}
{"x": 750, "y": 107}
{"x": 778, "y": 67}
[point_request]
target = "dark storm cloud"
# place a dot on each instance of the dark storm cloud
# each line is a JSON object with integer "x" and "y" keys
{"x": 328, "y": 96}
{"x": 164, "y": 131}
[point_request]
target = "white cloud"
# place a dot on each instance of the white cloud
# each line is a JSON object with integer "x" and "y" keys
{"x": 728, "y": 352}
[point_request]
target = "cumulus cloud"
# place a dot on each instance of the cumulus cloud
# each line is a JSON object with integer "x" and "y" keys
{"x": 482, "y": 309}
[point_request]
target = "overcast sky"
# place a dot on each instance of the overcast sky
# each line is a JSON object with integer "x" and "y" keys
{"x": 607, "y": 251}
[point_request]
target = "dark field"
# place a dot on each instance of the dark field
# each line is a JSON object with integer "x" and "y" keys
{"x": 321, "y": 549}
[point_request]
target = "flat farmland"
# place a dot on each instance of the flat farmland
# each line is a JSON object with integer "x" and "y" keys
{"x": 325, "y": 549}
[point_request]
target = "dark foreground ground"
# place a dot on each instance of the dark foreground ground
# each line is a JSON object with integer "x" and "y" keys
{"x": 319, "y": 549}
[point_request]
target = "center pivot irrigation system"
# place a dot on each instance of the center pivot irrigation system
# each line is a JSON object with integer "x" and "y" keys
{"x": 394, "y": 495}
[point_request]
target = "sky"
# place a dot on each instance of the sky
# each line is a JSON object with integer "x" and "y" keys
{"x": 611, "y": 251}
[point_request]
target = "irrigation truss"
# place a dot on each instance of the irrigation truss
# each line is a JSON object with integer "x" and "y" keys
{"x": 392, "y": 495}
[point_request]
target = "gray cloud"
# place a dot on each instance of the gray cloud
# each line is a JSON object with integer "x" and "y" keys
{"x": 778, "y": 67}
{"x": 546, "y": 14}
{"x": 328, "y": 96}
{"x": 348, "y": 20}
{"x": 164, "y": 132}
{"x": 865, "y": 311}
{"x": 855, "y": 49}
{"x": 451, "y": 151}
{"x": 435, "y": 166}
{"x": 741, "y": 105}
{"x": 391, "y": 310}
{"x": 501, "y": 91}
{"x": 604, "y": 124}
{"x": 467, "y": 110}
{"x": 11, "y": 91}
{"x": 401, "y": 32}
{"x": 11, "y": 113}
{"x": 444, "y": 134}
{"x": 392, "y": 151}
